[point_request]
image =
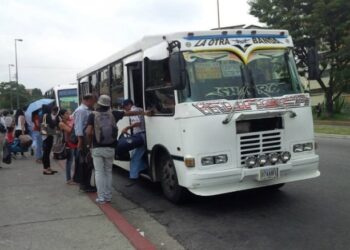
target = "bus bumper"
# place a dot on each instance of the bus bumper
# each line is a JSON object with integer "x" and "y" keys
{"x": 206, "y": 183}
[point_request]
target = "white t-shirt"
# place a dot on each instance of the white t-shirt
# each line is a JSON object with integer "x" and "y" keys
{"x": 136, "y": 119}
{"x": 8, "y": 121}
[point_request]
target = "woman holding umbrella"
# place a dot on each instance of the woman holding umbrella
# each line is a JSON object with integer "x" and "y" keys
{"x": 33, "y": 116}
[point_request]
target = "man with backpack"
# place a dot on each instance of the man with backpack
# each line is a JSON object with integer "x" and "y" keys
{"x": 102, "y": 132}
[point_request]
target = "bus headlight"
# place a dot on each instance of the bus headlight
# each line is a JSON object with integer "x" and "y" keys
{"x": 211, "y": 160}
{"x": 220, "y": 159}
{"x": 297, "y": 148}
{"x": 308, "y": 146}
{"x": 262, "y": 159}
{"x": 285, "y": 156}
{"x": 250, "y": 161}
{"x": 208, "y": 160}
{"x": 273, "y": 158}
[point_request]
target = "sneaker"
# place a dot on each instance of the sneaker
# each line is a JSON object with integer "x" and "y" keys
{"x": 100, "y": 201}
{"x": 109, "y": 200}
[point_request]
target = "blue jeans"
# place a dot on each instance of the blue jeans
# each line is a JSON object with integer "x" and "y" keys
{"x": 37, "y": 145}
{"x": 138, "y": 162}
{"x": 103, "y": 162}
{"x": 71, "y": 154}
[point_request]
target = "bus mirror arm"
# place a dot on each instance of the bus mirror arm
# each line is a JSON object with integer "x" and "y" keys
{"x": 229, "y": 117}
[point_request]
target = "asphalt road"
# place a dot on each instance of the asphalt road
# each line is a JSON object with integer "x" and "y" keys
{"x": 311, "y": 214}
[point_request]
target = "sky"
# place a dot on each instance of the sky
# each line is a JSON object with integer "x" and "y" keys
{"x": 64, "y": 37}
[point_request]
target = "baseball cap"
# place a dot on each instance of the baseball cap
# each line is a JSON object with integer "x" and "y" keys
{"x": 127, "y": 102}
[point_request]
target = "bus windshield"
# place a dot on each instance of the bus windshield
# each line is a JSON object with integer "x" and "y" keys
{"x": 216, "y": 75}
{"x": 68, "y": 99}
{"x": 273, "y": 73}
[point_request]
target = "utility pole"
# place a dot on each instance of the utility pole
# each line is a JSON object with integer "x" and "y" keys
{"x": 17, "y": 88}
{"x": 218, "y": 8}
{"x": 10, "y": 83}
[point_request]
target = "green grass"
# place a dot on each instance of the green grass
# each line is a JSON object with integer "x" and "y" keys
{"x": 329, "y": 129}
{"x": 340, "y": 117}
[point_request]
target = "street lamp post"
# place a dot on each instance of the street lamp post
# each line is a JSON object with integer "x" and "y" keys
{"x": 10, "y": 82}
{"x": 17, "y": 88}
{"x": 218, "y": 8}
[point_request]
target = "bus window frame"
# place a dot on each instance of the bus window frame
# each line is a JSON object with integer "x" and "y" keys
{"x": 146, "y": 89}
{"x": 118, "y": 82}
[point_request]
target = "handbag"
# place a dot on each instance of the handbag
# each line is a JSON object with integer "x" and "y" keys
{"x": 25, "y": 141}
{"x": 73, "y": 138}
{"x": 59, "y": 148}
{"x": 45, "y": 129}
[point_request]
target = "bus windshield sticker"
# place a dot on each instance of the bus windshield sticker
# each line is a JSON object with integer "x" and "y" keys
{"x": 208, "y": 70}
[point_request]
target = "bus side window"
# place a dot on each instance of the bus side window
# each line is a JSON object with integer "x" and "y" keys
{"x": 94, "y": 85}
{"x": 117, "y": 88}
{"x": 104, "y": 84}
{"x": 159, "y": 94}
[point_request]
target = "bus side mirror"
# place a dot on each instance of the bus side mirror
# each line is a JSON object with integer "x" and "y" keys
{"x": 313, "y": 64}
{"x": 177, "y": 71}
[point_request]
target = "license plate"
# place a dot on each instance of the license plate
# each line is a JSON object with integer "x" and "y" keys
{"x": 268, "y": 174}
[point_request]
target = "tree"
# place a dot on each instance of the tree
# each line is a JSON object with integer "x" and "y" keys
{"x": 8, "y": 95}
{"x": 320, "y": 24}
{"x": 36, "y": 94}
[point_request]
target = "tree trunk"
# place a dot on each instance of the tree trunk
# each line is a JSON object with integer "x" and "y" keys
{"x": 329, "y": 102}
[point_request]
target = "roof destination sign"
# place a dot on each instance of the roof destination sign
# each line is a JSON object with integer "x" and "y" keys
{"x": 227, "y": 40}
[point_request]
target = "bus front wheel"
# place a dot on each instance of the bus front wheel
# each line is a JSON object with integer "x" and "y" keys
{"x": 170, "y": 185}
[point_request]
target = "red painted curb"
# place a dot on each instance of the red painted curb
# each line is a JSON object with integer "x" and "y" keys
{"x": 135, "y": 238}
{"x": 130, "y": 232}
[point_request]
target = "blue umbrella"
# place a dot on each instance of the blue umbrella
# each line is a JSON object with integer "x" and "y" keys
{"x": 34, "y": 106}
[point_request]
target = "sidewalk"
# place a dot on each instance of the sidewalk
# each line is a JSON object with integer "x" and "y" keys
{"x": 42, "y": 212}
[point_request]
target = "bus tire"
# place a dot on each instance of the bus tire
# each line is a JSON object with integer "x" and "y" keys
{"x": 170, "y": 185}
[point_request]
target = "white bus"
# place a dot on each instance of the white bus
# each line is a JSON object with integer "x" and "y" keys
{"x": 230, "y": 111}
{"x": 66, "y": 96}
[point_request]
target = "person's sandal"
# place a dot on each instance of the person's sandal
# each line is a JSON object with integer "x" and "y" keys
{"x": 48, "y": 173}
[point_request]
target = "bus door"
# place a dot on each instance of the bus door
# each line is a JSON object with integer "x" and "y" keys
{"x": 135, "y": 83}
{"x": 134, "y": 86}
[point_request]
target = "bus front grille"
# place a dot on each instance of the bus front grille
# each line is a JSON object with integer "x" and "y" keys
{"x": 254, "y": 144}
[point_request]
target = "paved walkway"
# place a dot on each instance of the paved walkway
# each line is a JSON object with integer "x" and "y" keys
{"x": 42, "y": 212}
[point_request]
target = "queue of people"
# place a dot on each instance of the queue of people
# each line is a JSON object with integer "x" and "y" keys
{"x": 89, "y": 138}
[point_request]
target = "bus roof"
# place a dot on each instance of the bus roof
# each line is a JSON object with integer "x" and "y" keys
{"x": 150, "y": 41}
{"x": 66, "y": 86}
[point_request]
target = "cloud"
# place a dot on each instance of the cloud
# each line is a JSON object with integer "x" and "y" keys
{"x": 63, "y": 37}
